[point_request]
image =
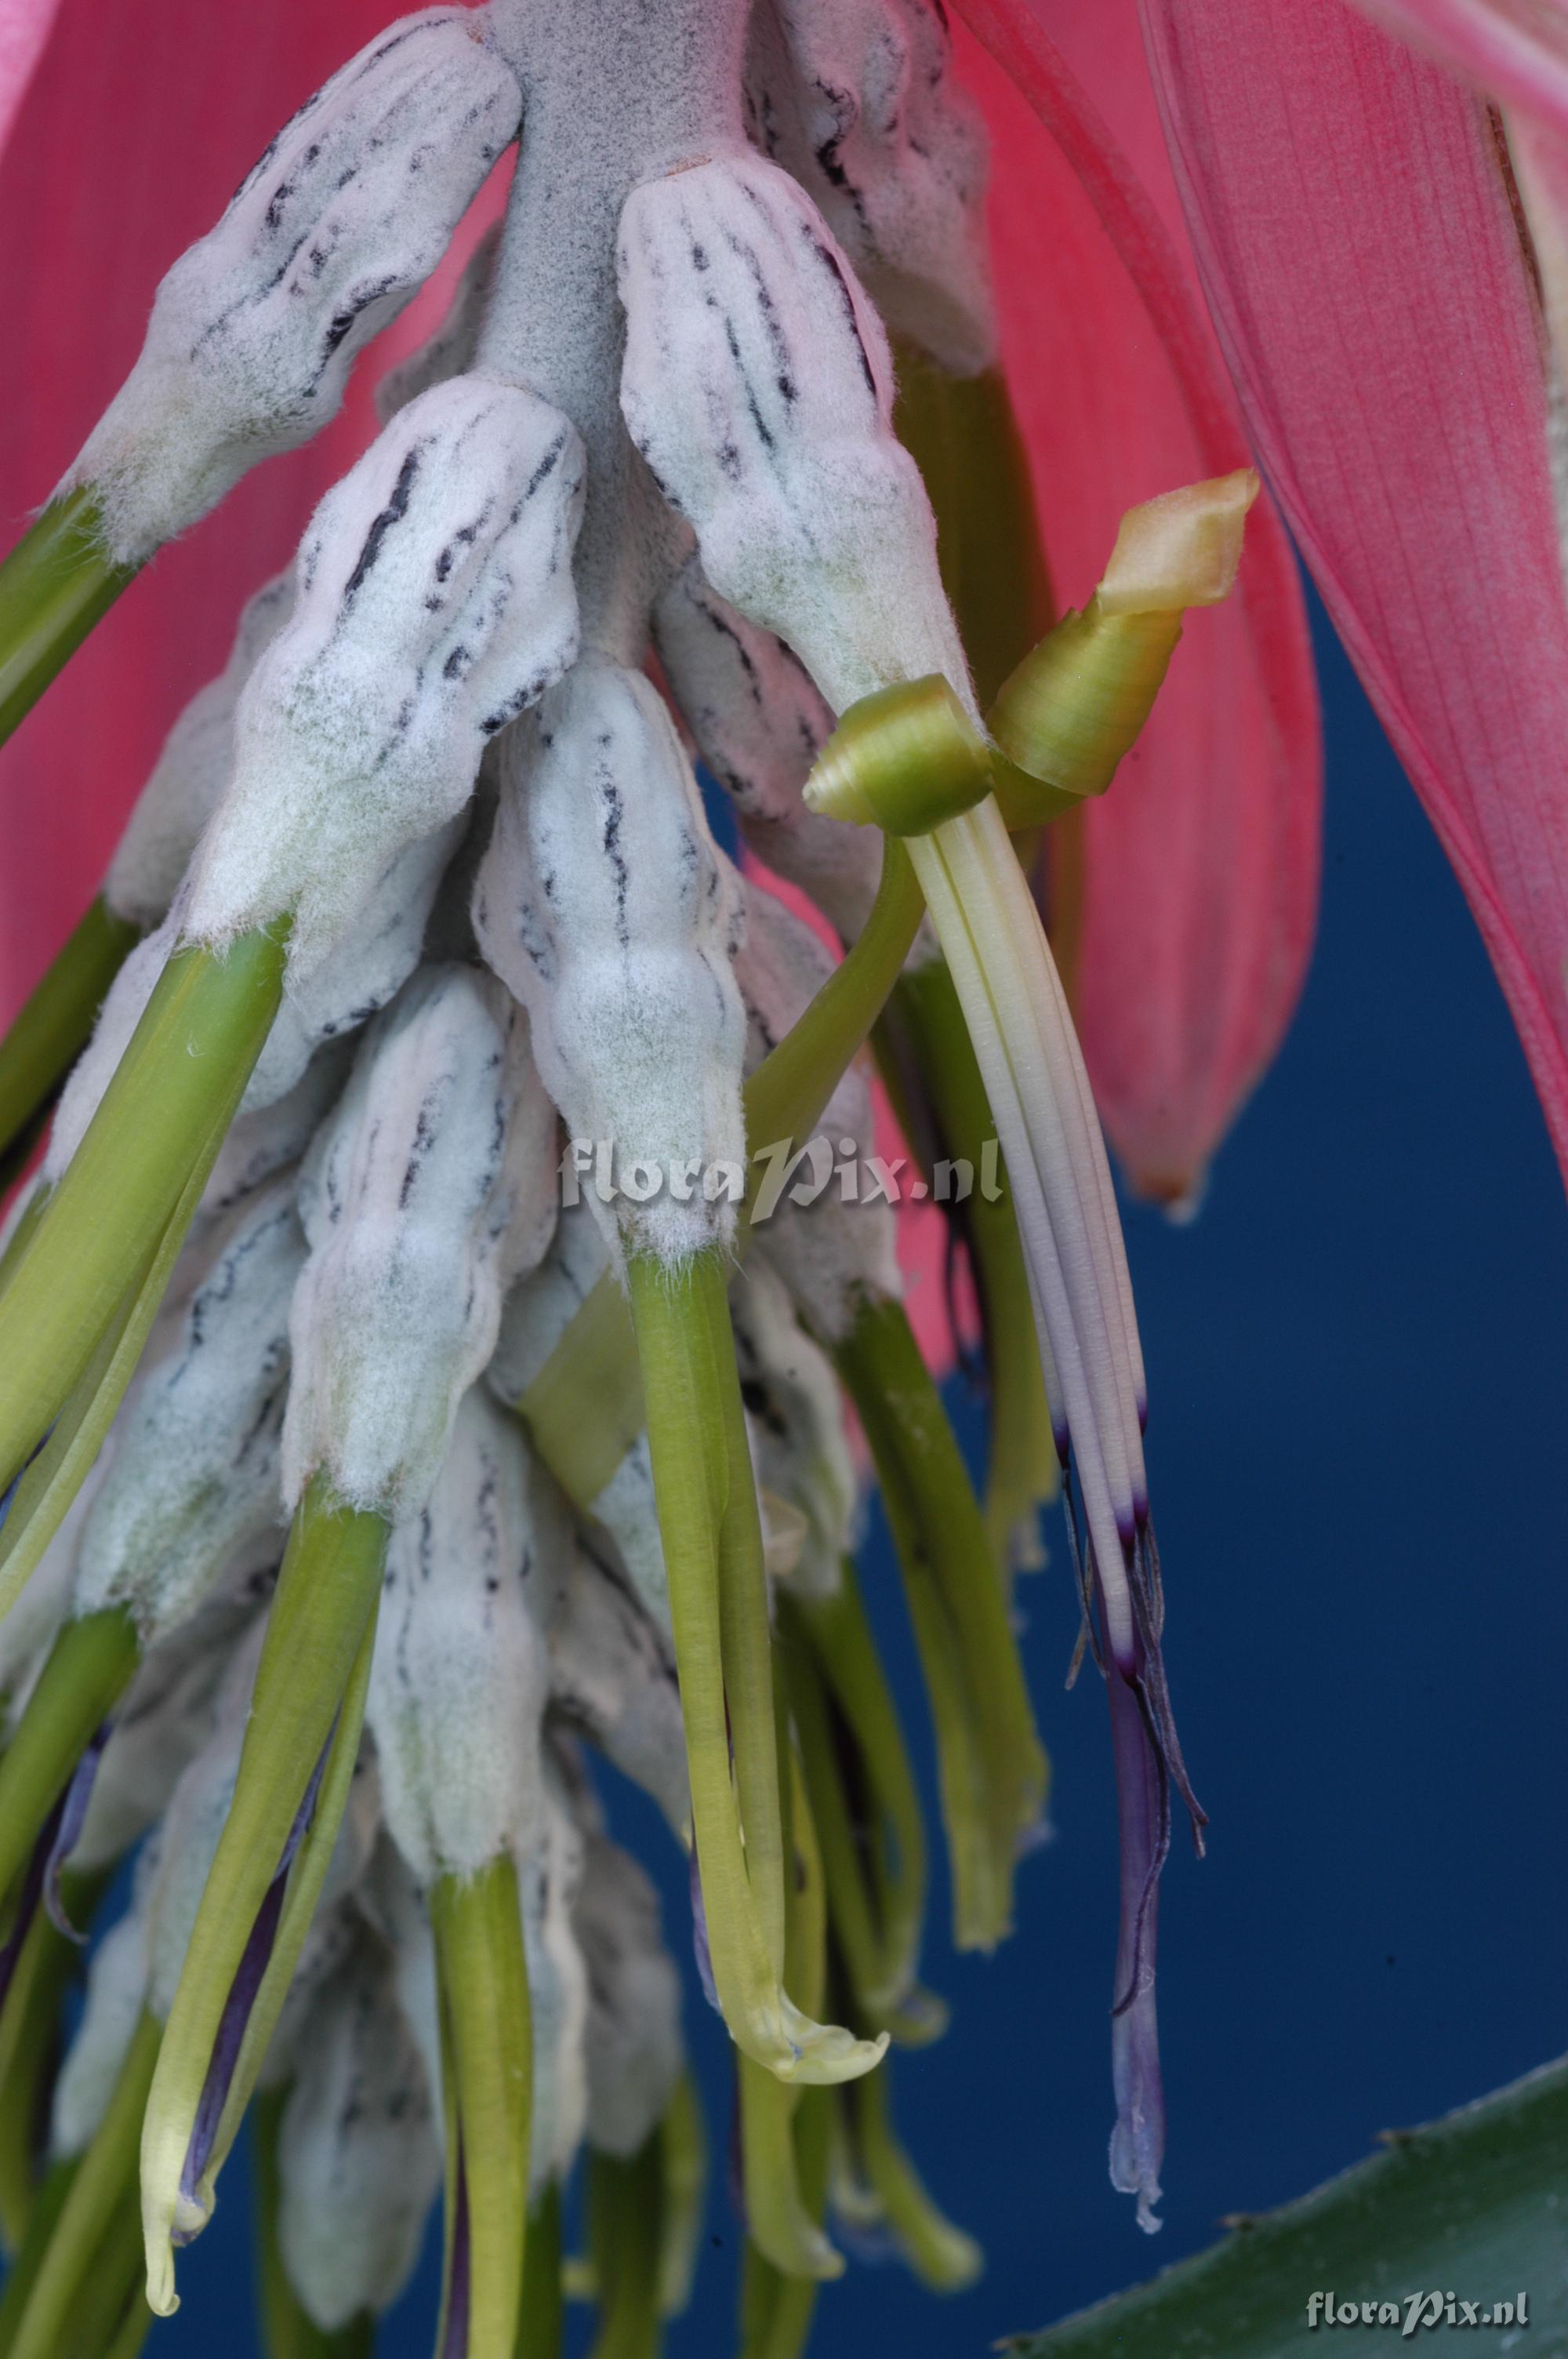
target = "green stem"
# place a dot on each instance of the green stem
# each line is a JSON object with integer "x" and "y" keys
{"x": 541, "y": 2325}
{"x": 54, "y": 1027}
{"x": 100, "y": 2188}
{"x": 161, "y": 1121}
{"x": 624, "y": 2201}
{"x": 55, "y": 584}
{"x": 956, "y": 1597}
{"x": 943, "y": 2256}
{"x": 684, "y": 2143}
{"x": 20, "y": 2277}
{"x": 90, "y": 1666}
{"x": 288, "y": 2332}
{"x": 585, "y": 1408}
{"x": 487, "y": 2052}
{"x": 776, "y": 2310}
{"x": 29, "y": 2046}
{"x": 307, "y": 1703}
{"x": 705, "y": 1508}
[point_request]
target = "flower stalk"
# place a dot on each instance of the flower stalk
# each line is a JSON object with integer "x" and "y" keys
{"x": 487, "y": 2067}
{"x": 56, "y": 584}
{"x": 54, "y": 1027}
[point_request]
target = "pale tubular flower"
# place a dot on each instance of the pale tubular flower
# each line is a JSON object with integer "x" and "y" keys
{"x": 604, "y": 905}
{"x": 433, "y": 602}
{"x": 191, "y": 771}
{"x": 806, "y": 518}
{"x": 758, "y": 386}
{"x": 254, "y": 329}
{"x": 408, "y": 1198}
{"x": 759, "y": 723}
{"x": 359, "y": 2150}
{"x": 859, "y": 101}
{"x": 612, "y": 1679}
{"x": 460, "y": 1674}
{"x": 632, "y": 2043}
{"x": 796, "y": 1422}
{"x": 192, "y": 1492}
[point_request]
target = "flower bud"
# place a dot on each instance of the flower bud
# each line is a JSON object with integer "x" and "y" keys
{"x": 433, "y": 602}
{"x": 408, "y": 1199}
{"x": 359, "y": 2155}
{"x": 758, "y": 386}
{"x": 194, "y": 1488}
{"x": 603, "y": 905}
{"x": 254, "y": 329}
{"x": 634, "y": 2043}
{"x": 192, "y": 772}
{"x": 460, "y": 1674}
{"x": 858, "y": 98}
{"x": 759, "y": 725}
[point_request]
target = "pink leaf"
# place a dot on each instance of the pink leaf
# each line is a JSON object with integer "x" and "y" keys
{"x": 1365, "y": 270}
{"x": 1200, "y": 882}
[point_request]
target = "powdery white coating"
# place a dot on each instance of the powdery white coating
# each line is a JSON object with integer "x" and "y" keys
{"x": 604, "y": 904}
{"x": 612, "y": 1679}
{"x": 407, "y": 1199}
{"x": 367, "y": 968}
{"x": 611, "y": 92}
{"x": 433, "y": 601}
{"x": 453, "y": 349}
{"x": 628, "y": 1512}
{"x": 117, "y": 1991}
{"x": 165, "y": 1719}
{"x": 858, "y": 98}
{"x": 558, "y": 1984}
{"x": 634, "y": 2043}
{"x": 759, "y": 725}
{"x": 758, "y": 386}
{"x": 254, "y": 329}
{"x": 268, "y": 1138}
{"x": 358, "y": 2152}
{"x": 94, "y": 1069}
{"x": 795, "y": 1418}
{"x": 829, "y": 1251}
{"x": 194, "y": 1487}
{"x": 460, "y": 1672}
{"x": 190, "y": 772}
{"x": 28, "y": 1630}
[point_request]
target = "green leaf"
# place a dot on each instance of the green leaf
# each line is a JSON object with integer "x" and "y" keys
{"x": 1471, "y": 2205}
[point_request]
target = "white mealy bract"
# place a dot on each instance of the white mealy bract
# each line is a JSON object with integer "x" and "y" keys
{"x": 419, "y": 1199}
{"x": 858, "y": 98}
{"x": 460, "y": 1674}
{"x": 759, "y": 723}
{"x": 758, "y": 386}
{"x": 453, "y": 348}
{"x": 254, "y": 329}
{"x": 612, "y": 1679}
{"x": 116, "y": 1993}
{"x": 191, "y": 771}
{"x": 359, "y": 2151}
{"x": 192, "y": 1492}
{"x": 633, "y": 2043}
{"x": 603, "y": 904}
{"x": 433, "y": 601}
{"x": 794, "y": 1419}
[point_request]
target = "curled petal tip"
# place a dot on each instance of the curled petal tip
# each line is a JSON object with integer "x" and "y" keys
{"x": 1180, "y": 549}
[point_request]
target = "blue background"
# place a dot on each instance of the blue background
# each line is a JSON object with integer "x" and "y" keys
{"x": 1359, "y": 1389}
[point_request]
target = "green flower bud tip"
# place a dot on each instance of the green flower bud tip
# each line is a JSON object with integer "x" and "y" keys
{"x": 904, "y": 759}
{"x": 1075, "y": 705}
